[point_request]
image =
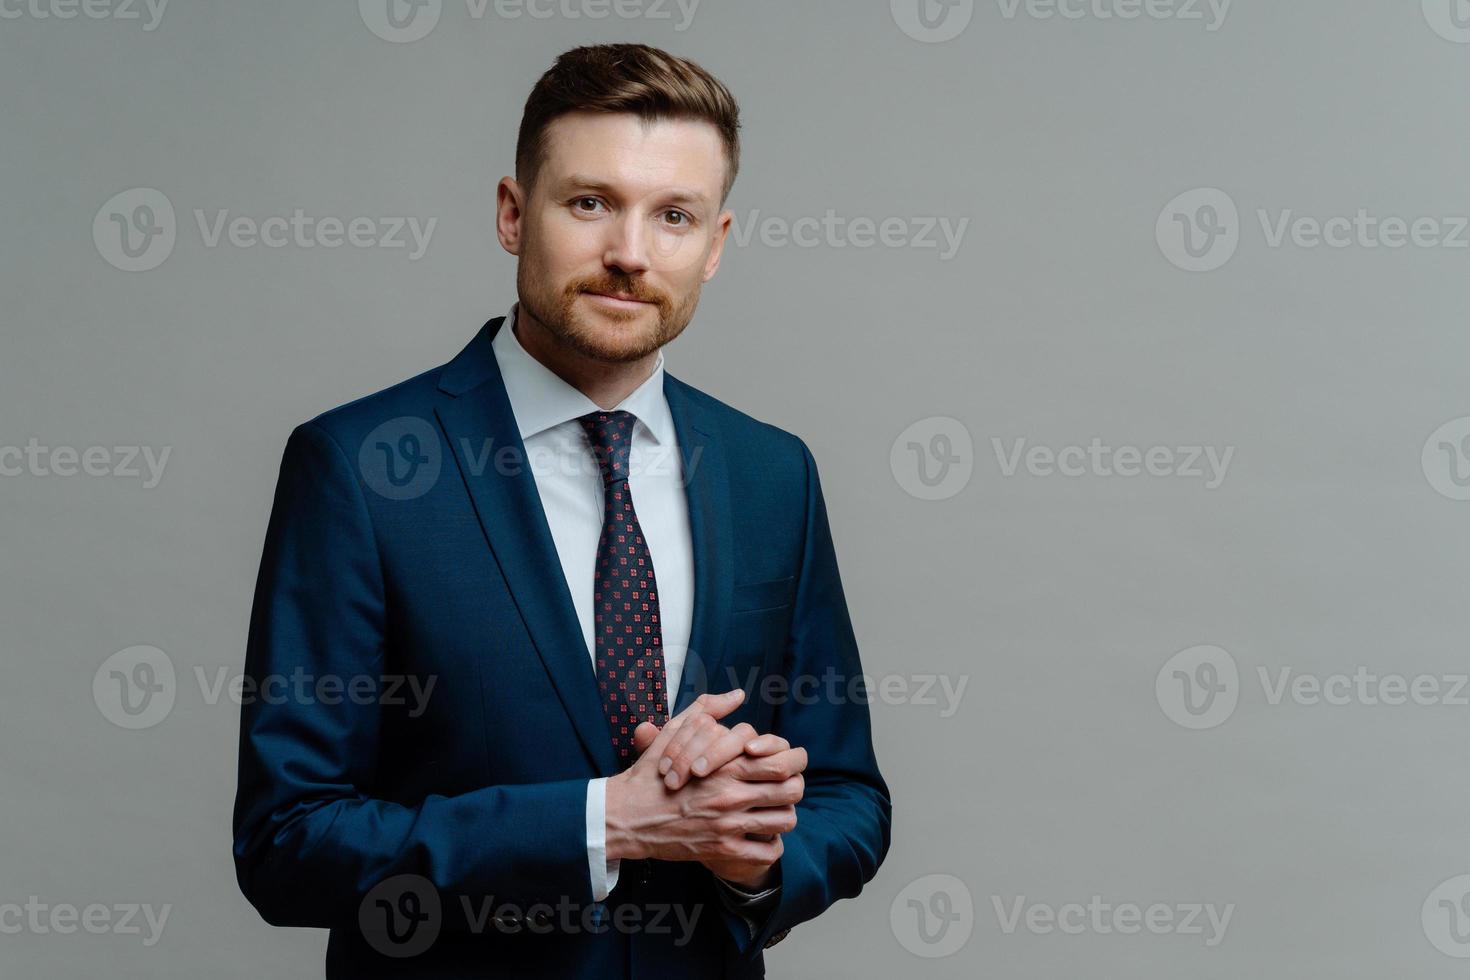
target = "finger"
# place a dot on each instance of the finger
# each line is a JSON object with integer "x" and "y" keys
{"x": 756, "y": 796}
{"x": 767, "y": 745}
{"x": 768, "y": 822}
{"x": 678, "y": 754}
{"x": 700, "y": 706}
{"x": 758, "y": 852}
{"x": 778, "y": 767}
{"x": 718, "y": 705}
{"x": 714, "y": 705}
{"x": 709, "y": 748}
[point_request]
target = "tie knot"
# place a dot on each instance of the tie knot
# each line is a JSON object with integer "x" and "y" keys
{"x": 611, "y": 436}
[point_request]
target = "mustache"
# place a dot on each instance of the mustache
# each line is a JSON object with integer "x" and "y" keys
{"x": 621, "y": 284}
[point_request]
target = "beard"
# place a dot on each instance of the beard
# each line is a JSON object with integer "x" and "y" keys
{"x": 556, "y": 309}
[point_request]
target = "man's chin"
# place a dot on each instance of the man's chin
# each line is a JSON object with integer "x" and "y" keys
{"x": 615, "y": 342}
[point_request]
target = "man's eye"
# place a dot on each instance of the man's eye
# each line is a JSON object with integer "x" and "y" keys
{"x": 585, "y": 200}
{"x": 678, "y": 218}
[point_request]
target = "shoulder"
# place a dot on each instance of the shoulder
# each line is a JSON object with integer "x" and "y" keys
{"x": 400, "y": 409}
{"x": 750, "y": 443}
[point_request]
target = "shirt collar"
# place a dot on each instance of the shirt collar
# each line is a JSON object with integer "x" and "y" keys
{"x": 540, "y": 399}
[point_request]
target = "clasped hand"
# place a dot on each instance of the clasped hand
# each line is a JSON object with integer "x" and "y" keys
{"x": 702, "y": 792}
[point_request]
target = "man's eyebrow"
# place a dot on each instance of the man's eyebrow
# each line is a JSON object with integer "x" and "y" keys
{"x": 586, "y": 183}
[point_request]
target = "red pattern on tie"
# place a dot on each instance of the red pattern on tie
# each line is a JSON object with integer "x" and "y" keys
{"x": 629, "y": 637}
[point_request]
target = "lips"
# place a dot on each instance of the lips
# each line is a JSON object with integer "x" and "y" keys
{"x": 625, "y": 297}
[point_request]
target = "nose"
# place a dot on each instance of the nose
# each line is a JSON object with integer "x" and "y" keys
{"x": 627, "y": 244}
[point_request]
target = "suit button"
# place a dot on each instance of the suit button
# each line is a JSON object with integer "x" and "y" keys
{"x": 645, "y": 874}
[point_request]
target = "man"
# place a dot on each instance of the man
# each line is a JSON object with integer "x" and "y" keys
{"x": 505, "y": 590}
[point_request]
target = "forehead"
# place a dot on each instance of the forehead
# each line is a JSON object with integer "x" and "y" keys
{"x": 633, "y": 154}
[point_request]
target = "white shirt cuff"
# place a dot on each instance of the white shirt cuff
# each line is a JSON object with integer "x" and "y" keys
{"x": 604, "y": 873}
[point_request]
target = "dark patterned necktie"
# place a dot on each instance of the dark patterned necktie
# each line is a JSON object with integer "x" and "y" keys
{"x": 629, "y": 641}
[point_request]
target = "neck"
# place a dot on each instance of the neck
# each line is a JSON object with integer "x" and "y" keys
{"x": 604, "y": 383}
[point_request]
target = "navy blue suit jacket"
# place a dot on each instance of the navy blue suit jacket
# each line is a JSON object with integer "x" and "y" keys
{"x": 399, "y": 822}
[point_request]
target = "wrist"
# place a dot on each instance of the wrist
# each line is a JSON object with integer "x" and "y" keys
{"x": 621, "y": 842}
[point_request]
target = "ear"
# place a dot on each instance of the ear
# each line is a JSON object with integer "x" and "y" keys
{"x": 722, "y": 230}
{"x": 510, "y": 209}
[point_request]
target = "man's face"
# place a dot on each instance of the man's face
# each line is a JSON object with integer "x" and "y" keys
{"x": 621, "y": 229}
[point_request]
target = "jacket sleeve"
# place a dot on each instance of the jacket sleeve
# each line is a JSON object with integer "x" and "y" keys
{"x": 310, "y": 842}
{"x": 842, "y": 823}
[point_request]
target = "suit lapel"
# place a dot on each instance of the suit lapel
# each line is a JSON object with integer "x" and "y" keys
{"x": 707, "y": 489}
{"x": 479, "y": 422}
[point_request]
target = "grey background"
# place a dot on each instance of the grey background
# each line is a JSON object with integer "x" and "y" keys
{"x": 1056, "y": 599}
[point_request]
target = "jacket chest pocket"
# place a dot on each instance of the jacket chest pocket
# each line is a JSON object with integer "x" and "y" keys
{"x": 769, "y": 594}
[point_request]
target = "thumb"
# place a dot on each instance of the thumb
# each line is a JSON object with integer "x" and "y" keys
{"x": 643, "y": 736}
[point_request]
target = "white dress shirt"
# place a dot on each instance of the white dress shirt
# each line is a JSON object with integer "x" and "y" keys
{"x": 570, "y": 483}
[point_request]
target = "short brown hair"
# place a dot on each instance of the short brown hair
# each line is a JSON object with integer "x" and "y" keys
{"x": 636, "y": 78}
